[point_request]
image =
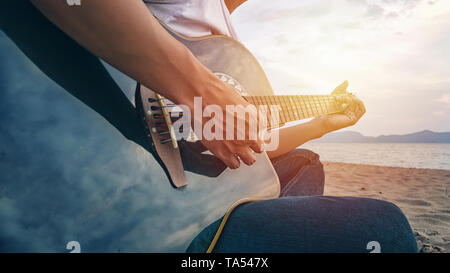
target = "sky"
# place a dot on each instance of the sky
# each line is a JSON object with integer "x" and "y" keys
{"x": 65, "y": 170}
{"x": 395, "y": 54}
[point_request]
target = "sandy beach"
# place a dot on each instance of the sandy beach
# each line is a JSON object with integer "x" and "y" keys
{"x": 422, "y": 194}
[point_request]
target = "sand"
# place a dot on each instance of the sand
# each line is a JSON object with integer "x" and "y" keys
{"x": 422, "y": 194}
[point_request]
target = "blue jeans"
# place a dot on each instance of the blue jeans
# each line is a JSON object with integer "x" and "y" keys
{"x": 302, "y": 220}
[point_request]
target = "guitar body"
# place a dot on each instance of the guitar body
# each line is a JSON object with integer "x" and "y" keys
{"x": 87, "y": 183}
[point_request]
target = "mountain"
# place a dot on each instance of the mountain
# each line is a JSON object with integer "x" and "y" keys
{"x": 426, "y": 136}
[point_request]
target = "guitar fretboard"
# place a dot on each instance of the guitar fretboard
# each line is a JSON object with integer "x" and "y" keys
{"x": 297, "y": 107}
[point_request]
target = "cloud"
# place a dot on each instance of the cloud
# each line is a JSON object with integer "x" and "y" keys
{"x": 445, "y": 99}
{"x": 389, "y": 9}
{"x": 374, "y": 11}
{"x": 440, "y": 114}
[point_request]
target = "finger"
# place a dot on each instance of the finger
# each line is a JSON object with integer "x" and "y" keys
{"x": 361, "y": 105}
{"x": 341, "y": 89}
{"x": 231, "y": 160}
{"x": 344, "y": 101}
{"x": 246, "y": 155}
{"x": 257, "y": 146}
{"x": 361, "y": 109}
{"x": 224, "y": 153}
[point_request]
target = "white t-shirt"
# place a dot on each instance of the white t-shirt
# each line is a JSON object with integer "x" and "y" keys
{"x": 194, "y": 18}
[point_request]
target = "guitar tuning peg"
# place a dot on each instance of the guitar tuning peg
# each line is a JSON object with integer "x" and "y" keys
{"x": 164, "y": 141}
{"x": 161, "y": 107}
{"x": 151, "y": 100}
{"x": 160, "y": 124}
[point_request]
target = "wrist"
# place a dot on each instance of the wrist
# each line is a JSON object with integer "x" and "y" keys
{"x": 196, "y": 81}
{"x": 321, "y": 125}
{"x": 180, "y": 76}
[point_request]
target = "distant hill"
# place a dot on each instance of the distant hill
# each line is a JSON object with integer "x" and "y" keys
{"x": 426, "y": 136}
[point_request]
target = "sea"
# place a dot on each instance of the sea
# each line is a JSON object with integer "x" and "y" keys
{"x": 407, "y": 155}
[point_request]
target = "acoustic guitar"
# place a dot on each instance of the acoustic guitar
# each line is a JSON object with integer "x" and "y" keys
{"x": 77, "y": 183}
{"x": 219, "y": 189}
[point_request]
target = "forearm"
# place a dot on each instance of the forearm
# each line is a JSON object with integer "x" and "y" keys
{"x": 294, "y": 136}
{"x": 233, "y": 4}
{"x": 126, "y": 35}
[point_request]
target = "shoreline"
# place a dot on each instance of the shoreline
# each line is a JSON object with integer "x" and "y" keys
{"x": 422, "y": 194}
{"x": 384, "y": 166}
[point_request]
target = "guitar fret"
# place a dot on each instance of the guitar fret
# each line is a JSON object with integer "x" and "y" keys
{"x": 334, "y": 106}
{"x": 286, "y": 103}
{"x": 294, "y": 107}
{"x": 322, "y": 105}
{"x": 299, "y": 109}
{"x": 319, "y": 105}
{"x": 268, "y": 113}
{"x": 313, "y": 107}
{"x": 251, "y": 100}
{"x": 273, "y": 102}
{"x": 255, "y": 100}
{"x": 288, "y": 108}
{"x": 298, "y": 106}
{"x": 307, "y": 106}
{"x": 302, "y": 106}
{"x": 283, "y": 106}
{"x": 327, "y": 104}
{"x": 316, "y": 109}
{"x": 327, "y": 109}
{"x": 280, "y": 110}
{"x": 284, "y": 110}
{"x": 313, "y": 100}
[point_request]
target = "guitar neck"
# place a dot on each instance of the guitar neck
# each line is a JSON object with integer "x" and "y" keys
{"x": 296, "y": 107}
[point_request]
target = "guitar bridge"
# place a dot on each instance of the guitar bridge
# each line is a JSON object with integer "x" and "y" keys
{"x": 158, "y": 123}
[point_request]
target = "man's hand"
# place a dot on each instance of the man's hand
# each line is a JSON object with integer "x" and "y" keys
{"x": 353, "y": 112}
{"x": 231, "y": 151}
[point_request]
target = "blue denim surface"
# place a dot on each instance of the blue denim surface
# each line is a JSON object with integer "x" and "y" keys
{"x": 302, "y": 220}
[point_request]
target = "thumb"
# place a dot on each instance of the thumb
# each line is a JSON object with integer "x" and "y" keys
{"x": 341, "y": 89}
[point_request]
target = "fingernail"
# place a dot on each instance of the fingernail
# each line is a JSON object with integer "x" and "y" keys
{"x": 237, "y": 165}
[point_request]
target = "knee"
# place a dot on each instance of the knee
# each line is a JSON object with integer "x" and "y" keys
{"x": 388, "y": 223}
{"x": 302, "y": 157}
{"x": 311, "y": 157}
{"x": 301, "y": 173}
